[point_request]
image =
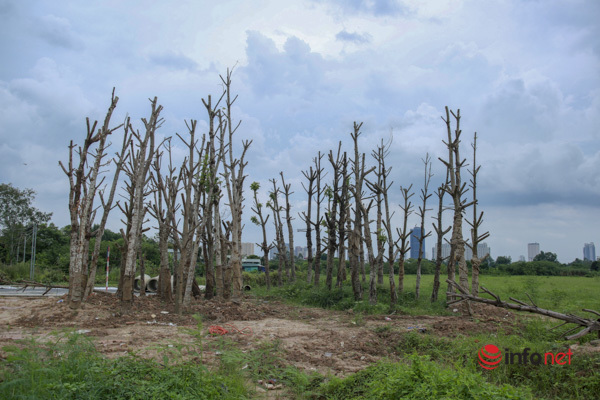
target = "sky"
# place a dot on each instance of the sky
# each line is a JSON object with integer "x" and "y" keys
{"x": 525, "y": 75}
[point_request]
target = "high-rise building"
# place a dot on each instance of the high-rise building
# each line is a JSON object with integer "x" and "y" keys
{"x": 415, "y": 235}
{"x": 274, "y": 253}
{"x": 482, "y": 250}
{"x": 533, "y": 249}
{"x": 445, "y": 251}
{"x": 589, "y": 252}
{"x": 247, "y": 249}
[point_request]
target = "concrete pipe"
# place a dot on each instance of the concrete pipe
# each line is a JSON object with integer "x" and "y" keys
{"x": 137, "y": 285}
{"x": 247, "y": 288}
{"x": 152, "y": 284}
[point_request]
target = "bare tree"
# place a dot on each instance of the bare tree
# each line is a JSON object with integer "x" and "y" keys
{"x": 331, "y": 213}
{"x": 234, "y": 182}
{"x": 311, "y": 176}
{"x": 107, "y": 207}
{"x": 375, "y": 187}
{"x": 141, "y": 160}
{"x": 83, "y": 182}
{"x": 343, "y": 200}
{"x": 165, "y": 197}
{"x": 440, "y": 232}
{"x": 382, "y": 187}
{"x": 475, "y": 224}
{"x": 212, "y": 192}
{"x": 319, "y": 219}
{"x": 262, "y": 221}
{"x": 404, "y": 234}
{"x": 456, "y": 189}
{"x": 273, "y": 204}
{"x": 288, "y": 220}
{"x": 371, "y": 256}
{"x": 422, "y": 211}
{"x": 356, "y": 237}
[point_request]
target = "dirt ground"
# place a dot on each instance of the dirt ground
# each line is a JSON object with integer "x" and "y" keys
{"x": 309, "y": 338}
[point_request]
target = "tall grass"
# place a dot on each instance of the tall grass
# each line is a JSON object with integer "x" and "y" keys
{"x": 71, "y": 368}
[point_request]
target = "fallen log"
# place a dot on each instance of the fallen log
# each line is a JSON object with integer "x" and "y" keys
{"x": 589, "y": 325}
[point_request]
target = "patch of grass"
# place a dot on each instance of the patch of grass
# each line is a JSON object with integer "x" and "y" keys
{"x": 71, "y": 368}
{"x": 579, "y": 380}
{"x": 420, "y": 379}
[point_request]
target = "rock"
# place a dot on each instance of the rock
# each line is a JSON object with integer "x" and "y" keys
{"x": 595, "y": 342}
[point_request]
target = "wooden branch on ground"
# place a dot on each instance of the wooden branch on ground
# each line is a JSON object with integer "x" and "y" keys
{"x": 589, "y": 325}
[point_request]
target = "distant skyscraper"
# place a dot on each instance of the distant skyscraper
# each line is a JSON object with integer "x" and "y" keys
{"x": 415, "y": 235}
{"x": 482, "y": 250}
{"x": 589, "y": 252}
{"x": 521, "y": 258}
{"x": 445, "y": 251}
{"x": 247, "y": 249}
{"x": 533, "y": 249}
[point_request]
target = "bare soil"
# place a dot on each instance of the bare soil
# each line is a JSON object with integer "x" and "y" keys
{"x": 312, "y": 339}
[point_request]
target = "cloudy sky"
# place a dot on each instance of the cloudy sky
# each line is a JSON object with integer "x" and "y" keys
{"x": 525, "y": 75}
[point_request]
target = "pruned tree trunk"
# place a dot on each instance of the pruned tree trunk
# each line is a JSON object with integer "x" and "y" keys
{"x": 137, "y": 172}
{"x": 341, "y": 229}
{"x": 440, "y": 232}
{"x": 84, "y": 184}
{"x": 288, "y": 220}
{"x": 234, "y": 181}
{"x": 422, "y": 211}
{"x": 262, "y": 221}
{"x": 475, "y": 224}
{"x": 318, "y": 221}
{"x": 331, "y": 215}
{"x": 456, "y": 189}
{"x": 356, "y": 237}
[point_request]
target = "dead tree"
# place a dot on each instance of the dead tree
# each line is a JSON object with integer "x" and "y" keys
{"x": 404, "y": 234}
{"x": 476, "y": 238}
{"x": 141, "y": 160}
{"x": 356, "y": 237}
{"x": 262, "y": 221}
{"x": 425, "y": 195}
{"x": 440, "y": 232}
{"x": 83, "y": 182}
{"x": 234, "y": 182}
{"x": 456, "y": 189}
{"x": 288, "y": 219}
{"x": 589, "y": 325}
